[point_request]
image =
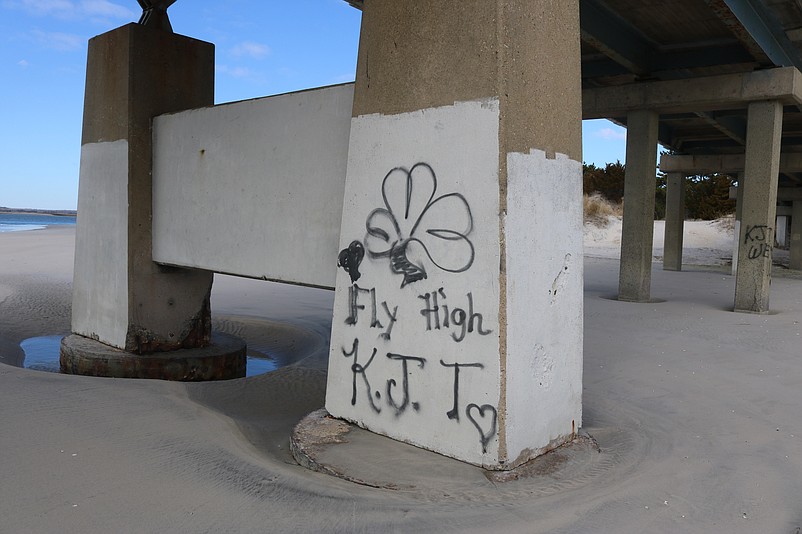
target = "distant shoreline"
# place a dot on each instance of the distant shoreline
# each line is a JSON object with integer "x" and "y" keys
{"x": 30, "y": 211}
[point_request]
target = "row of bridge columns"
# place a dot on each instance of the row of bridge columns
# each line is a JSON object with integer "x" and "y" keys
{"x": 757, "y": 203}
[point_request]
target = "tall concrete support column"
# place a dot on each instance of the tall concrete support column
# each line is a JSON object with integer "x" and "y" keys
{"x": 761, "y": 170}
{"x": 458, "y": 302}
{"x": 675, "y": 222}
{"x": 121, "y": 298}
{"x": 637, "y": 232}
{"x": 739, "y": 204}
{"x": 796, "y": 236}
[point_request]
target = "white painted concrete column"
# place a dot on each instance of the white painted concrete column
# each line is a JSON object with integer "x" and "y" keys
{"x": 637, "y": 233}
{"x": 739, "y": 203}
{"x": 121, "y": 297}
{"x": 675, "y": 221}
{"x": 458, "y": 310}
{"x": 796, "y": 236}
{"x": 761, "y": 171}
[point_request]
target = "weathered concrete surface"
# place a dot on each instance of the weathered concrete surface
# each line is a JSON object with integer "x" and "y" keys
{"x": 675, "y": 221}
{"x": 699, "y": 94}
{"x": 637, "y": 232}
{"x": 223, "y": 358}
{"x": 331, "y": 446}
{"x": 121, "y": 297}
{"x": 756, "y": 241}
{"x": 461, "y": 223}
{"x": 254, "y": 188}
{"x": 409, "y": 76}
{"x": 726, "y": 163}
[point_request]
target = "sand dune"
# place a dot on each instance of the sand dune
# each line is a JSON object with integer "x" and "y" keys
{"x": 695, "y": 408}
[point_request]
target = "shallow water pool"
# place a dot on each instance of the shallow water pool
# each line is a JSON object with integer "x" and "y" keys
{"x": 42, "y": 354}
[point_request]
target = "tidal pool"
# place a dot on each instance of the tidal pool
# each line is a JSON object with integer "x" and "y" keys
{"x": 42, "y": 354}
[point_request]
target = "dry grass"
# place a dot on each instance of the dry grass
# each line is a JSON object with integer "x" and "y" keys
{"x": 726, "y": 223}
{"x": 598, "y": 209}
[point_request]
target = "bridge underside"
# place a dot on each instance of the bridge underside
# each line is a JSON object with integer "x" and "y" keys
{"x": 697, "y": 67}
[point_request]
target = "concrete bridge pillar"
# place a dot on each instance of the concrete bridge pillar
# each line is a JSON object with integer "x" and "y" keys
{"x": 458, "y": 309}
{"x": 637, "y": 232}
{"x": 131, "y": 315}
{"x": 761, "y": 169}
{"x": 675, "y": 222}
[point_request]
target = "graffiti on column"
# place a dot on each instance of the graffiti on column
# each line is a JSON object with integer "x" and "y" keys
{"x": 414, "y": 232}
{"x": 350, "y": 259}
{"x": 408, "y": 220}
{"x": 759, "y": 241}
{"x": 484, "y": 423}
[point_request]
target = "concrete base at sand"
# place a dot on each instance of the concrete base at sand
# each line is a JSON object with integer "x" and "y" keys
{"x": 223, "y": 359}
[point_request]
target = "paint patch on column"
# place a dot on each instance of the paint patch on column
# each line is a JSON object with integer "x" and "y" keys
{"x": 100, "y": 283}
{"x": 414, "y": 351}
{"x": 544, "y": 301}
{"x": 542, "y": 367}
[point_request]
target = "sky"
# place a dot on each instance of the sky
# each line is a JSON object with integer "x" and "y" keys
{"x": 263, "y": 47}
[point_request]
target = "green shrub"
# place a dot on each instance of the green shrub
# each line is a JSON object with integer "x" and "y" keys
{"x": 706, "y": 196}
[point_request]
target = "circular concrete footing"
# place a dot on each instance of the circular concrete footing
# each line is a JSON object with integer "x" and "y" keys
{"x": 223, "y": 359}
{"x": 335, "y": 447}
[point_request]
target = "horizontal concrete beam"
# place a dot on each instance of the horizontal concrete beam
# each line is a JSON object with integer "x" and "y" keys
{"x": 698, "y": 94}
{"x": 254, "y": 188}
{"x": 784, "y": 194}
{"x": 703, "y": 164}
{"x": 789, "y": 194}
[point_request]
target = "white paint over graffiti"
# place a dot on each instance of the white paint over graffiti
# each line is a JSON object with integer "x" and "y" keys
{"x": 414, "y": 351}
{"x": 542, "y": 367}
{"x": 102, "y": 225}
{"x": 544, "y": 300}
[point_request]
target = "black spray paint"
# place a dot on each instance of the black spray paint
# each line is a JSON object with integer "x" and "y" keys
{"x": 350, "y": 258}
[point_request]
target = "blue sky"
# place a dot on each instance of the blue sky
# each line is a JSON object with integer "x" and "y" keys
{"x": 262, "y": 47}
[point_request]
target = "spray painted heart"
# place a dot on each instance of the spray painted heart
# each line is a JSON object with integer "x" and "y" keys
{"x": 485, "y": 424}
{"x": 350, "y": 258}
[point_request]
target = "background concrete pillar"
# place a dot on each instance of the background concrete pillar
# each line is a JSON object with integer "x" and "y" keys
{"x": 739, "y": 203}
{"x": 796, "y": 236}
{"x": 675, "y": 221}
{"x": 761, "y": 171}
{"x": 464, "y": 199}
{"x": 637, "y": 232}
{"x": 120, "y": 296}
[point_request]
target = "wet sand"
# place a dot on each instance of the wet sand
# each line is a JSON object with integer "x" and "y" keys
{"x": 696, "y": 410}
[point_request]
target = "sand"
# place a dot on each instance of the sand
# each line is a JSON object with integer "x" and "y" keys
{"x": 696, "y": 410}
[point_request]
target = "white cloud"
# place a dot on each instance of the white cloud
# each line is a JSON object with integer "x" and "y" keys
{"x": 609, "y": 134}
{"x": 67, "y": 9}
{"x": 63, "y": 42}
{"x": 42, "y": 7}
{"x": 250, "y": 49}
{"x": 235, "y": 72}
{"x": 23, "y": 63}
{"x": 104, "y": 8}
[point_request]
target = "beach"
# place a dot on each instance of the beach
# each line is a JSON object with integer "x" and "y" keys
{"x": 695, "y": 410}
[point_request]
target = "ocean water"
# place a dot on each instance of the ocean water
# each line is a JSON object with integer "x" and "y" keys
{"x": 18, "y": 222}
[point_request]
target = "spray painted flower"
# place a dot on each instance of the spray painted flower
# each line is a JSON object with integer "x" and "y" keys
{"x": 414, "y": 225}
